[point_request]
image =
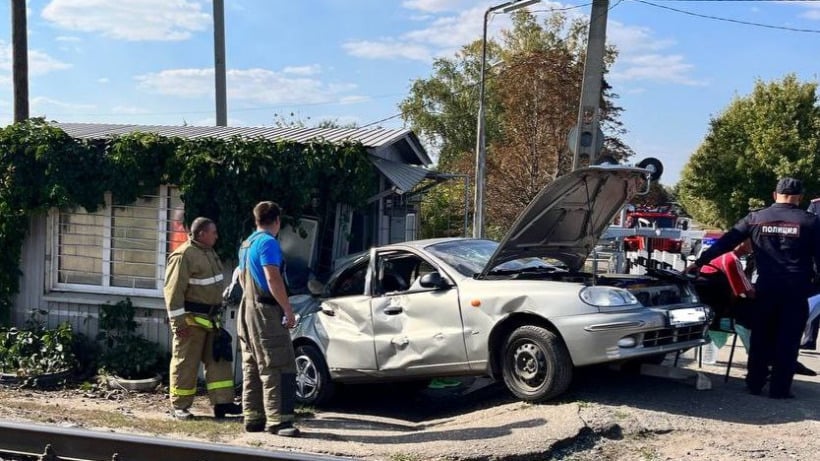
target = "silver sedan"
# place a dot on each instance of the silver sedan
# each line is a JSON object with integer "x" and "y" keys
{"x": 522, "y": 310}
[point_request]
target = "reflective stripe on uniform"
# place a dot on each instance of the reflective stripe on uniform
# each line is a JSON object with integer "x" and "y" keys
{"x": 182, "y": 392}
{"x": 228, "y": 383}
{"x": 203, "y": 322}
{"x": 207, "y": 281}
{"x": 176, "y": 313}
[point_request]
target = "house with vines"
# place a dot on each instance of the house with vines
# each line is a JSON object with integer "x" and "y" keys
{"x": 91, "y": 211}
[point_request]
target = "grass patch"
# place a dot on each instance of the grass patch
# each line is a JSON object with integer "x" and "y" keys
{"x": 206, "y": 428}
{"x": 404, "y": 457}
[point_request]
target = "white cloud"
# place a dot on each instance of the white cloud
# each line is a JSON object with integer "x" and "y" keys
{"x": 129, "y": 110}
{"x": 41, "y": 102}
{"x": 433, "y": 6}
{"x": 444, "y": 35}
{"x": 641, "y": 57}
{"x": 103, "y": 80}
{"x": 130, "y": 20}
{"x": 388, "y": 49}
{"x": 68, "y": 38}
{"x": 813, "y": 12}
{"x": 657, "y": 67}
{"x": 312, "y": 69}
{"x": 256, "y": 85}
{"x": 39, "y": 63}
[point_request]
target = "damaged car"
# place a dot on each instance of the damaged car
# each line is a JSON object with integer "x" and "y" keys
{"x": 522, "y": 310}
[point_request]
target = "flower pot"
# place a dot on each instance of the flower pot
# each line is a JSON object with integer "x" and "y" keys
{"x": 134, "y": 385}
{"x": 45, "y": 380}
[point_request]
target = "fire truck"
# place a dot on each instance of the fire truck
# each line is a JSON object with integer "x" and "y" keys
{"x": 660, "y": 217}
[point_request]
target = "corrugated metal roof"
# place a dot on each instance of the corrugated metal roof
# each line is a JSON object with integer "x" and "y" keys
{"x": 369, "y": 137}
{"x": 403, "y": 176}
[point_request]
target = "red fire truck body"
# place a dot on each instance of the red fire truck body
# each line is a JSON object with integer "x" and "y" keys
{"x": 654, "y": 218}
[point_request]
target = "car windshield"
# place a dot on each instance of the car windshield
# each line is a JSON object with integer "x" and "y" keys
{"x": 469, "y": 257}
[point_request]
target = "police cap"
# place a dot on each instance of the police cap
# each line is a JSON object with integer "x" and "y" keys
{"x": 789, "y": 186}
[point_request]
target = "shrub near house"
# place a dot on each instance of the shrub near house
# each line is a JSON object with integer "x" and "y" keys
{"x": 36, "y": 350}
{"x": 126, "y": 353}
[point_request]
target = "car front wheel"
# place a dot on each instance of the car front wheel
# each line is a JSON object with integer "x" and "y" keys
{"x": 536, "y": 364}
{"x": 313, "y": 384}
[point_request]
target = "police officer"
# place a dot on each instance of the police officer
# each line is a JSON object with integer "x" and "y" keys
{"x": 265, "y": 315}
{"x": 786, "y": 243}
{"x": 193, "y": 296}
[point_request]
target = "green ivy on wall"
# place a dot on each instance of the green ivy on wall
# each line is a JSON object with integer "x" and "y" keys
{"x": 41, "y": 167}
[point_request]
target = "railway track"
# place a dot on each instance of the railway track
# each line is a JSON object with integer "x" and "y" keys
{"x": 27, "y": 441}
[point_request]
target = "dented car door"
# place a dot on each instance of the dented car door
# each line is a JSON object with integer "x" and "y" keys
{"x": 417, "y": 330}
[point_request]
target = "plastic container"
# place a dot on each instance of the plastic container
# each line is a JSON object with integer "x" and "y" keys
{"x": 710, "y": 353}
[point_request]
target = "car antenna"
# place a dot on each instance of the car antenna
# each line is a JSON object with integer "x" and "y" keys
{"x": 589, "y": 230}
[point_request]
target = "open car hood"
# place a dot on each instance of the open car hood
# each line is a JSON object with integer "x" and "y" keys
{"x": 566, "y": 219}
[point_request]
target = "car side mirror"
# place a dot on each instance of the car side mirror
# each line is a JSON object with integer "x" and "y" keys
{"x": 434, "y": 280}
{"x": 691, "y": 259}
{"x": 315, "y": 287}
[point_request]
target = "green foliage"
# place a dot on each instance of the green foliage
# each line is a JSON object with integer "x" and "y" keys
{"x": 773, "y": 132}
{"x": 125, "y": 353}
{"x": 41, "y": 168}
{"x": 36, "y": 350}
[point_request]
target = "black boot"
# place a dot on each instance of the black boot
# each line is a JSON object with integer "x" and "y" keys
{"x": 222, "y": 409}
{"x": 801, "y": 369}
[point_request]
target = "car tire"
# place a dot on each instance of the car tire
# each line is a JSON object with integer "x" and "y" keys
{"x": 313, "y": 384}
{"x": 535, "y": 364}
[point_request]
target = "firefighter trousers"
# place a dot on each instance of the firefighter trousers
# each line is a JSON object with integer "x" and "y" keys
{"x": 268, "y": 364}
{"x": 189, "y": 348}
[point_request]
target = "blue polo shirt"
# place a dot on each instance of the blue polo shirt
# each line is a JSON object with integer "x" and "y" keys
{"x": 263, "y": 251}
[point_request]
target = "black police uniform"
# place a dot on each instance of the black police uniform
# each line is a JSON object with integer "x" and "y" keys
{"x": 786, "y": 242}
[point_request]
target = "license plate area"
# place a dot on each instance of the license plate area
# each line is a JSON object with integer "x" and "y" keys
{"x": 686, "y": 316}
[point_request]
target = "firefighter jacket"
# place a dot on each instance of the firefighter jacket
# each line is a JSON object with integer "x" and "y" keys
{"x": 193, "y": 280}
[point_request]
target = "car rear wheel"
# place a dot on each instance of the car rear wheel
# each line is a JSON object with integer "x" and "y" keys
{"x": 536, "y": 364}
{"x": 313, "y": 384}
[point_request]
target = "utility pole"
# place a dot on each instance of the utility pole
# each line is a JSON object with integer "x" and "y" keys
{"x": 588, "y": 137}
{"x": 19, "y": 51}
{"x": 219, "y": 64}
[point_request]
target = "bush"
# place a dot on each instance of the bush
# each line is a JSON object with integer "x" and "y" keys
{"x": 125, "y": 353}
{"x": 35, "y": 349}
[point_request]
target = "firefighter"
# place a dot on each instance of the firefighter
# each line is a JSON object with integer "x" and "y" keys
{"x": 786, "y": 244}
{"x": 193, "y": 297}
{"x": 265, "y": 315}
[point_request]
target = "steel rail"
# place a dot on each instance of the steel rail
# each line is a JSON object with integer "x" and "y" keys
{"x": 55, "y": 443}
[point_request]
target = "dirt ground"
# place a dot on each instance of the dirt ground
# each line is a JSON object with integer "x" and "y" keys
{"x": 606, "y": 415}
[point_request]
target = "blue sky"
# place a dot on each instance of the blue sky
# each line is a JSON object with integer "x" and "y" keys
{"x": 150, "y": 61}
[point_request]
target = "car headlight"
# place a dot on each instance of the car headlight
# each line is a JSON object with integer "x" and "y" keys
{"x": 601, "y": 296}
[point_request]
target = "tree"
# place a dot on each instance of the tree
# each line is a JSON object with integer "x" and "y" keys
{"x": 773, "y": 132}
{"x": 531, "y": 103}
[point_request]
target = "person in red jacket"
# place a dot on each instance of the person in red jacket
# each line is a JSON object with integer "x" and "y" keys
{"x": 729, "y": 264}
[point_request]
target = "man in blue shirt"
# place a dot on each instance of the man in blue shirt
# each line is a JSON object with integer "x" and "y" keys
{"x": 264, "y": 317}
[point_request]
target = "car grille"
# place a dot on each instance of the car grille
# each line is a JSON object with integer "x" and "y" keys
{"x": 672, "y": 335}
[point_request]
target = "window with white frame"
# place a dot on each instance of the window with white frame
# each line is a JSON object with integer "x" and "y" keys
{"x": 119, "y": 249}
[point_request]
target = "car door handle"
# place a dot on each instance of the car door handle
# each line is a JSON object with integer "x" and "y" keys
{"x": 393, "y": 310}
{"x": 327, "y": 310}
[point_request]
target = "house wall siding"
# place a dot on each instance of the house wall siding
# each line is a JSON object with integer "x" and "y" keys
{"x": 32, "y": 268}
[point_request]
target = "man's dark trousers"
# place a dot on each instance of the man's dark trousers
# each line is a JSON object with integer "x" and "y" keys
{"x": 777, "y": 327}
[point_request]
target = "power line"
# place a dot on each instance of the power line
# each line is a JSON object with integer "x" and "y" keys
{"x": 731, "y": 20}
